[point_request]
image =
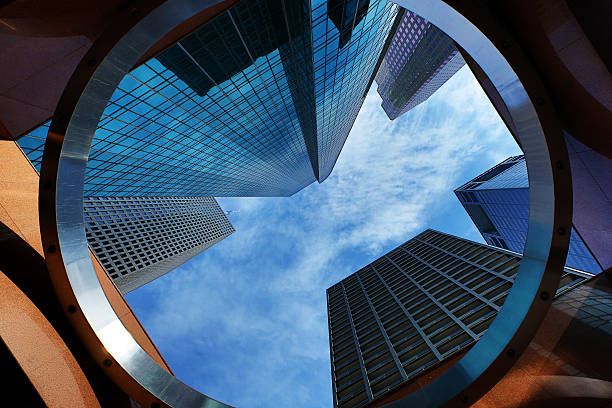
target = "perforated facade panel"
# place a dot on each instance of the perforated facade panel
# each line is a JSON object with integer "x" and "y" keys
{"x": 138, "y": 239}
{"x": 420, "y": 59}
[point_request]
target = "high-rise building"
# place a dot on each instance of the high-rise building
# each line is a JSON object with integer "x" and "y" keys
{"x": 420, "y": 59}
{"x": 258, "y": 102}
{"x": 139, "y": 239}
{"x": 497, "y": 201}
{"x": 413, "y": 308}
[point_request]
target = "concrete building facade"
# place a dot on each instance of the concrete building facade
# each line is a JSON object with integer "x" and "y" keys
{"x": 139, "y": 239}
{"x": 413, "y": 308}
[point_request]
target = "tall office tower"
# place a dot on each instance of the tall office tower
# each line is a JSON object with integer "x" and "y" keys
{"x": 420, "y": 59}
{"x": 258, "y": 102}
{"x": 413, "y": 308}
{"x": 139, "y": 239}
{"x": 497, "y": 201}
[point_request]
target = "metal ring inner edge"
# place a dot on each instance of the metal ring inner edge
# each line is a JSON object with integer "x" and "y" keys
{"x": 74, "y": 278}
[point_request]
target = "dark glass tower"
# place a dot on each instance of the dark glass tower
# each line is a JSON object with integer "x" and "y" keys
{"x": 346, "y": 15}
{"x": 420, "y": 59}
{"x": 258, "y": 102}
{"x": 415, "y": 307}
{"x": 497, "y": 201}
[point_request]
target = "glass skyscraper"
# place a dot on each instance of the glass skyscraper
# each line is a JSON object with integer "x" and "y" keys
{"x": 413, "y": 308}
{"x": 258, "y": 102}
{"x": 420, "y": 59}
{"x": 497, "y": 201}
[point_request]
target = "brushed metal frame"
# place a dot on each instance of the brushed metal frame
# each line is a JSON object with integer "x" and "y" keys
{"x": 109, "y": 342}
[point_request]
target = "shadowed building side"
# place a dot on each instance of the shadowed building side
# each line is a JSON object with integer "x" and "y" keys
{"x": 563, "y": 364}
{"x": 415, "y": 308}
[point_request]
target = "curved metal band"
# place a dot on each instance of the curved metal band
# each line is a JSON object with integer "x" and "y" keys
{"x": 71, "y": 269}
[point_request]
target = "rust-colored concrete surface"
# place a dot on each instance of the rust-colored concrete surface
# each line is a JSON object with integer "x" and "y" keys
{"x": 19, "y": 213}
{"x": 567, "y": 364}
{"x": 42, "y": 354}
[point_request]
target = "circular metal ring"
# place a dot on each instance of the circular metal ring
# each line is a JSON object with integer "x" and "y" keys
{"x": 71, "y": 268}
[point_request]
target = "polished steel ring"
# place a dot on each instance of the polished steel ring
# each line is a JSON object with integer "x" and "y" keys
{"x": 75, "y": 281}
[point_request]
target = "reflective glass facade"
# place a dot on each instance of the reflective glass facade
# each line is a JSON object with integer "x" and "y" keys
{"x": 342, "y": 73}
{"x": 420, "y": 60}
{"x": 498, "y": 203}
{"x": 259, "y": 102}
{"x": 415, "y": 307}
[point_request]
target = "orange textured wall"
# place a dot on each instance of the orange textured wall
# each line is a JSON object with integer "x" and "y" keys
{"x": 19, "y": 213}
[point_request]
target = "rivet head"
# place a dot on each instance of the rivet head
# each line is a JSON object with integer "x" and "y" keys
{"x": 155, "y": 405}
{"x": 91, "y": 62}
{"x": 135, "y": 12}
{"x": 559, "y": 165}
{"x": 540, "y": 101}
{"x": 107, "y": 362}
{"x": 51, "y": 249}
{"x": 506, "y": 44}
{"x": 72, "y": 309}
{"x": 511, "y": 352}
{"x": 544, "y": 295}
{"x": 561, "y": 231}
{"x": 464, "y": 399}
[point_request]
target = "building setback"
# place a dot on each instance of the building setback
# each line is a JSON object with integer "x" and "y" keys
{"x": 420, "y": 59}
{"x": 415, "y": 307}
{"x": 258, "y": 102}
{"x": 497, "y": 201}
{"x": 139, "y": 239}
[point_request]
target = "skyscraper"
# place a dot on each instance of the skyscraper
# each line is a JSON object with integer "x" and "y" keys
{"x": 420, "y": 60}
{"x": 413, "y": 308}
{"x": 139, "y": 239}
{"x": 258, "y": 102}
{"x": 497, "y": 201}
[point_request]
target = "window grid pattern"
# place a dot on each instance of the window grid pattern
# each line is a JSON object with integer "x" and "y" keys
{"x": 414, "y": 307}
{"x": 258, "y": 102}
{"x": 502, "y": 193}
{"x": 420, "y": 59}
{"x": 138, "y": 239}
{"x": 242, "y": 137}
{"x": 409, "y": 34}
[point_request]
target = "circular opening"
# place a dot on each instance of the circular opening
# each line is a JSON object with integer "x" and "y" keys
{"x": 63, "y": 224}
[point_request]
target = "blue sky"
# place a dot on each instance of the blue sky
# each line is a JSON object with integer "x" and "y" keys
{"x": 246, "y": 321}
